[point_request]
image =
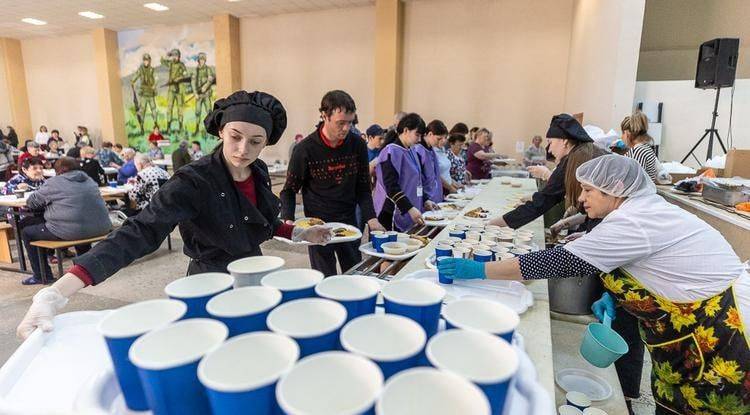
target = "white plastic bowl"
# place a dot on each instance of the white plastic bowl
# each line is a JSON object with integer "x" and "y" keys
{"x": 428, "y": 391}
{"x": 330, "y": 383}
{"x": 394, "y": 248}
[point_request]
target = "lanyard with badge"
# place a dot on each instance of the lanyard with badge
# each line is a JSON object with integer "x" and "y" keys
{"x": 413, "y": 159}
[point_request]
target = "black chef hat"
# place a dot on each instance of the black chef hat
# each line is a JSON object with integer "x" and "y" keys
{"x": 256, "y": 107}
{"x": 565, "y": 126}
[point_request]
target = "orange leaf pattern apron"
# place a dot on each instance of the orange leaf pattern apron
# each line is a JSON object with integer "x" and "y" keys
{"x": 699, "y": 352}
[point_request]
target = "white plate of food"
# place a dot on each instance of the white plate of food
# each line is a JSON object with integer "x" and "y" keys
{"x": 437, "y": 218}
{"x": 368, "y": 249}
{"x": 477, "y": 213}
{"x": 341, "y": 232}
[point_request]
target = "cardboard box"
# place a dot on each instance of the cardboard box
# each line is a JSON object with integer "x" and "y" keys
{"x": 738, "y": 164}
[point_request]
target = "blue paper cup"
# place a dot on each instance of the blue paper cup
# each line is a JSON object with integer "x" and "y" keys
{"x": 314, "y": 323}
{"x": 392, "y": 236}
{"x": 167, "y": 361}
{"x": 443, "y": 250}
{"x": 481, "y": 314}
{"x": 330, "y": 383}
{"x": 249, "y": 271}
{"x": 428, "y": 391}
{"x": 244, "y": 309}
{"x": 442, "y": 278}
{"x": 196, "y": 290}
{"x": 393, "y": 342}
{"x": 483, "y": 256}
{"x": 418, "y": 300}
{"x": 357, "y": 294}
{"x": 488, "y": 361}
{"x": 373, "y": 233}
{"x": 378, "y": 241}
{"x": 457, "y": 234}
{"x": 122, "y": 327}
{"x": 241, "y": 375}
{"x": 294, "y": 283}
{"x": 113, "y": 183}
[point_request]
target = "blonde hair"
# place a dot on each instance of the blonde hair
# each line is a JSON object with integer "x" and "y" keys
{"x": 88, "y": 150}
{"x": 637, "y": 126}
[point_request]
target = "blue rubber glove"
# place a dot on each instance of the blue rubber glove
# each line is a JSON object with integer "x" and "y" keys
{"x": 602, "y": 305}
{"x": 461, "y": 269}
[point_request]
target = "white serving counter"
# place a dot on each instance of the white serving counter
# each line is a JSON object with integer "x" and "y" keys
{"x": 535, "y": 324}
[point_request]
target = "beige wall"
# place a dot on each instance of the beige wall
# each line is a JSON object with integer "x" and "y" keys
{"x": 603, "y": 60}
{"x": 500, "y": 64}
{"x": 61, "y": 83}
{"x": 673, "y": 30}
{"x": 5, "y": 115}
{"x": 299, "y": 57}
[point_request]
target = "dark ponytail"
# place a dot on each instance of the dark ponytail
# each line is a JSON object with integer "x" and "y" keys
{"x": 411, "y": 121}
{"x": 436, "y": 127}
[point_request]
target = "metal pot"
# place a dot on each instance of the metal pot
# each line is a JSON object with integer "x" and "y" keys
{"x": 573, "y": 295}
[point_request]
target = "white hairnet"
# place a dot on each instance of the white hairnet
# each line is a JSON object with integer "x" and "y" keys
{"x": 616, "y": 175}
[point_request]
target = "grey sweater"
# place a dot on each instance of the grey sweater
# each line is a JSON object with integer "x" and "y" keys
{"x": 73, "y": 207}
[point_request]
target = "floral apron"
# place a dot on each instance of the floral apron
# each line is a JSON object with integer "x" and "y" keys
{"x": 699, "y": 352}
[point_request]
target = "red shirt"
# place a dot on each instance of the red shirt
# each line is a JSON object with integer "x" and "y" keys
{"x": 26, "y": 155}
{"x": 479, "y": 169}
{"x": 155, "y": 137}
{"x": 328, "y": 142}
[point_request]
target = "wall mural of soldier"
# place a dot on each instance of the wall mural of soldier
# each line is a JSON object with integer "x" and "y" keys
{"x": 168, "y": 79}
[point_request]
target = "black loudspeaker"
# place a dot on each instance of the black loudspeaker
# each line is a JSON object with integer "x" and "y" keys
{"x": 717, "y": 63}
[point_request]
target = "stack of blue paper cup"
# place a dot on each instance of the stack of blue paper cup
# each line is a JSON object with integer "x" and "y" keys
{"x": 294, "y": 283}
{"x": 196, "y": 290}
{"x": 393, "y": 342}
{"x": 356, "y": 293}
{"x": 482, "y": 314}
{"x": 428, "y": 391}
{"x": 330, "y": 383}
{"x": 488, "y": 361}
{"x": 418, "y": 300}
{"x": 241, "y": 375}
{"x": 120, "y": 330}
{"x": 167, "y": 361}
{"x": 314, "y": 323}
{"x": 244, "y": 309}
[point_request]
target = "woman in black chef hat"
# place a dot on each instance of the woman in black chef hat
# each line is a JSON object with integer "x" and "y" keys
{"x": 222, "y": 203}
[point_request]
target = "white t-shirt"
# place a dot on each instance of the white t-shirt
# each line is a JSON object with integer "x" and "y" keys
{"x": 670, "y": 251}
{"x": 41, "y": 137}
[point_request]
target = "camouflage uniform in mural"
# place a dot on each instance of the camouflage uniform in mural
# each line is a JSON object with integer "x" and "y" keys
{"x": 204, "y": 80}
{"x": 175, "y": 92}
{"x": 146, "y": 90}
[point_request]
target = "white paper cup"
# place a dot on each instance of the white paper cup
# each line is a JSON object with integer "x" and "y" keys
{"x": 250, "y": 270}
{"x": 464, "y": 253}
{"x": 330, "y": 383}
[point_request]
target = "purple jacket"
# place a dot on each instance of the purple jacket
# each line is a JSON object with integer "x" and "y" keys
{"x": 410, "y": 178}
{"x": 433, "y": 186}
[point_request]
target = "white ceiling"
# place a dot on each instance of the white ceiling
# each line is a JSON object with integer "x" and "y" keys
{"x": 62, "y": 15}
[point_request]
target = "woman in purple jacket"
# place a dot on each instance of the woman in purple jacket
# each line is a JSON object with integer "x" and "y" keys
{"x": 425, "y": 152}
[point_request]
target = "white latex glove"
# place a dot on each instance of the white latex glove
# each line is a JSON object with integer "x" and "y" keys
{"x": 573, "y": 236}
{"x": 45, "y": 304}
{"x": 416, "y": 216}
{"x": 567, "y": 223}
{"x": 539, "y": 172}
{"x": 375, "y": 225}
{"x": 430, "y": 205}
{"x": 498, "y": 221}
{"x": 317, "y": 235}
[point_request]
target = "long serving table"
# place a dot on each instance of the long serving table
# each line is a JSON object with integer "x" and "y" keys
{"x": 535, "y": 322}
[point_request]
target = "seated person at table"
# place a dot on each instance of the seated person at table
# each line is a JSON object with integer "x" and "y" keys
{"x": 196, "y": 152}
{"x": 73, "y": 209}
{"x": 6, "y": 158}
{"x": 480, "y": 154}
{"x": 154, "y": 152}
{"x": 118, "y": 150}
{"x": 155, "y": 135}
{"x": 32, "y": 150}
{"x": 107, "y": 157}
{"x": 181, "y": 156}
{"x": 53, "y": 147}
{"x": 91, "y": 166}
{"x": 30, "y": 177}
{"x": 148, "y": 180}
{"x": 535, "y": 154}
{"x": 128, "y": 169}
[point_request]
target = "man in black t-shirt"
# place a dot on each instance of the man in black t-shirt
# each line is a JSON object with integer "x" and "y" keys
{"x": 331, "y": 170}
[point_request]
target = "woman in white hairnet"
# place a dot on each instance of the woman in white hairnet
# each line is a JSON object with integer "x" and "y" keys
{"x": 677, "y": 275}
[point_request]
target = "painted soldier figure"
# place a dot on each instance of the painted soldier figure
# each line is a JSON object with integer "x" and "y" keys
{"x": 205, "y": 78}
{"x": 175, "y": 92}
{"x": 146, "y": 95}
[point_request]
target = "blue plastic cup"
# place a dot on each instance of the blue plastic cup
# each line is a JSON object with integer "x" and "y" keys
{"x": 492, "y": 363}
{"x": 249, "y": 271}
{"x": 356, "y": 293}
{"x": 602, "y": 346}
{"x": 330, "y": 383}
{"x": 483, "y": 256}
{"x": 482, "y": 314}
{"x": 244, "y": 309}
{"x": 378, "y": 241}
{"x": 167, "y": 361}
{"x": 294, "y": 283}
{"x": 443, "y": 250}
{"x": 392, "y": 236}
{"x": 443, "y": 279}
{"x": 242, "y": 374}
{"x": 314, "y": 323}
{"x": 122, "y": 327}
{"x": 113, "y": 184}
{"x": 458, "y": 234}
{"x": 196, "y": 290}
{"x": 418, "y": 300}
{"x": 427, "y": 391}
{"x": 373, "y": 233}
{"x": 393, "y": 342}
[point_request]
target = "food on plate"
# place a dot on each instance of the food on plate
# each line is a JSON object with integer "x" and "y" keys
{"x": 744, "y": 207}
{"x": 448, "y": 206}
{"x": 343, "y": 233}
{"x": 420, "y": 238}
{"x": 477, "y": 213}
{"x": 308, "y": 222}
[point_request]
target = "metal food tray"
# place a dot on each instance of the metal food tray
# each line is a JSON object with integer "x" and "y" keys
{"x": 728, "y": 196}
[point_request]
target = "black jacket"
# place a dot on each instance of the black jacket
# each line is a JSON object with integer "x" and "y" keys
{"x": 218, "y": 224}
{"x": 94, "y": 170}
{"x": 180, "y": 157}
